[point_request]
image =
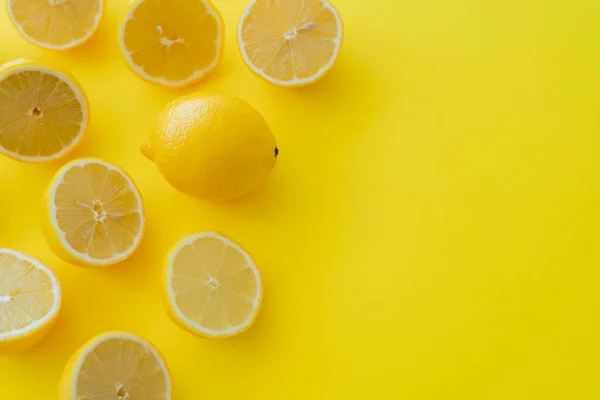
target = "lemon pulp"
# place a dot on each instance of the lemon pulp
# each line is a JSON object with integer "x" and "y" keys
{"x": 116, "y": 366}
{"x": 290, "y": 43}
{"x": 213, "y": 286}
{"x": 56, "y": 24}
{"x": 43, "y": 113}
{"x": 172, "y": 43}
{"x": 95, "y": 213}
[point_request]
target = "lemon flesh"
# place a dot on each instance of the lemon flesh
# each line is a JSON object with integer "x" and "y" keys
{"x": 43, "y": 114}
{"x": 172, "y": 43}
{"x": 292, "y": 42}
{"x": 213, "y": 288}
{"x": 212, "y": 146}
{"x": 29, "y": 301}
{"x": 93, "y": 213}
{"x": 56, "y": 24}
{"x": 116, "y": 366}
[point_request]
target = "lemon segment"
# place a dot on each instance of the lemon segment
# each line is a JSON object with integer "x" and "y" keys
{"x": 290, "y": 43}
{"x": 30, "y": 299}
{"x": 212, "y": 287}
{"x": 92, "y": 213}
{"x": 116, "y": 365}
{"x": 56, "y": 24}
{"x": 172, "y": 43}
{"x": 43, "y": 112}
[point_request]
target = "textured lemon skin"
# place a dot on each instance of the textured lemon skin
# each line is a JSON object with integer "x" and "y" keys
{"x": 212, "y": 146}
{"x": 51, "y": 234}
{"x": 21, "y": 64}
{"x": 183, "y": 324}
{"x": 16, "y": 345}
{"x": 68, "y": 376}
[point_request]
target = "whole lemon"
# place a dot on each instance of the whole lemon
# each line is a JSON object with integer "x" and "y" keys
{"x": 212, "y": 146}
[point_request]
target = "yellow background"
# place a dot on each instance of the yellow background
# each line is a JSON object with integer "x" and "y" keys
{"x": 431, "y": 230}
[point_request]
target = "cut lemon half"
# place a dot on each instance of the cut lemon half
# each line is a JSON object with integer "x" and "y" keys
{"x": 56, "y": 24}
{"x": 172, "y": 43}
{"x": 213, "y": 288}
{"x": 92, "y": 213}
{"x": 292, "y": 42}
{"x": 29, "y": 301}
{"x": 116, "y": 366}
{"x": 43, "y": 112}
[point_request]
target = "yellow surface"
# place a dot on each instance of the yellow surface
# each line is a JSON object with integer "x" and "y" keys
{"x": 430, "y": 231}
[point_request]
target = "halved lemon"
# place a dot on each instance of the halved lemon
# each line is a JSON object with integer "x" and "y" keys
{"x": 212, "y": 287}
{"x": 93, "y": 213}
{"x": 292, "y": 42}
{"x": 30, "y": 298}
{"x": 43, "y": 112}
{"x": 56, "y": 24}
{"x": 172, "y": 43}
{"x": 116, "y": 366}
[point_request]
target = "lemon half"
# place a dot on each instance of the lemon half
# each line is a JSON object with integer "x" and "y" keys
{"x": 30, "y": 299}
{"x": 92, "y": 213}
{"x": 212, "y": 287}
{"x": 116, "y": 365}
{"x": 56, "y": 24}
{"x": 172, "y": 43}
{"x": 44, "y": 112}
{"x": 292, "y": 42}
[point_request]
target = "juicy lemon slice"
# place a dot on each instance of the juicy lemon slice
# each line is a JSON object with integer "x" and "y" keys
{"x": 56, "y": 24}
{"x": 43, "y": 112}
{"x": 172, "y": 43}
{"x": 292, "y": 42}
{"x": 93, "y": 213}
{"x": 29, "y": 301}
{"x": 213, "y": 288}
{"x": 118, "y": 366}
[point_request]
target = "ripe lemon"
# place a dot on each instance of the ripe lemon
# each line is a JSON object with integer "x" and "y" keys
{"x": 56, "y": 24}
{"x": 172, "y": 43}
{"x": 292, "y": 42}
{"x": 212, "y": 287}
{"x": 92, "y": 213}
{"x": 116, "y": 365}
{"x": 44, "y": 112}
{"x": 29, "y": 301}
{"x": 212, "y": 146}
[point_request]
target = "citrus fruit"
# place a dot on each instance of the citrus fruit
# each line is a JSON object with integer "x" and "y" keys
{"x": 172, "y": 43}
{"x": 29, "y": 301}
{"x": 56, "y": 24}
{"x": 44, "y": 112}
{"x": 292, "y": 42}
{"x": 116, "y": 366}
{"x": 92, "y": 213}
{"x": 212, "y": 286}
{"x": 212, "y": 146}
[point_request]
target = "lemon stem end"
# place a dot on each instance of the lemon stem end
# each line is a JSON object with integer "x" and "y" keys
{"x": 147, "y": 150}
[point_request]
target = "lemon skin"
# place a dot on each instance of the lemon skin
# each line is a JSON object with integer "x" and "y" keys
{"x": 212, "y": 146}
